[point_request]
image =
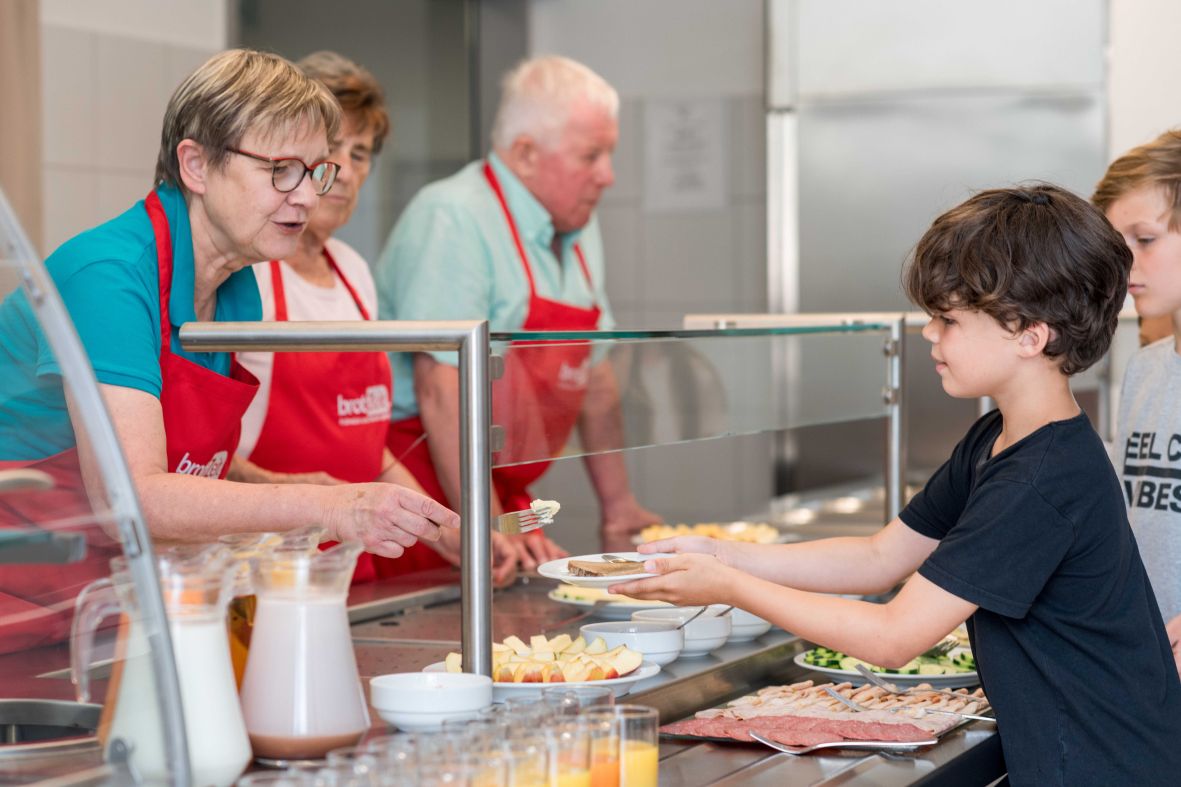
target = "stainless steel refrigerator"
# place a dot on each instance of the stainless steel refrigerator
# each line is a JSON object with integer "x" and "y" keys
{"x": 880, "y": 116}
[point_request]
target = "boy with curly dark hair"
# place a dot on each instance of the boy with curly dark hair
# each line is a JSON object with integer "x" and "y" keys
{"x": 1022, "y": 532}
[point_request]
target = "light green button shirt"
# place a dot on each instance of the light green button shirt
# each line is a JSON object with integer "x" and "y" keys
{"x": 451, "y": 257}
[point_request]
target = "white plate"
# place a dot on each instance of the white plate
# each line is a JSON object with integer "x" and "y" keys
{"x": 613, "y": 610}
{"x": 621, "y": 686}
{"x": 960, "y": 680}
{"x": 559, "y": 570}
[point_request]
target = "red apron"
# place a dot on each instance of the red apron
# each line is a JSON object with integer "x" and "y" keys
{"x": 202, "y": 412}
{"x": 540, "y": 397}
{"x": 328, "y": 411}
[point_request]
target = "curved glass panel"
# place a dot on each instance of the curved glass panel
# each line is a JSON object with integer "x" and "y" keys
{"x": 584, "y": 393}
{"x": 75, "y": 644}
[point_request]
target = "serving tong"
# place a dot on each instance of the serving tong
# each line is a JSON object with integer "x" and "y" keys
{"x": 882, "y": 746}
{"x": 857, "y": 706}
{"x": 892, "y": 688}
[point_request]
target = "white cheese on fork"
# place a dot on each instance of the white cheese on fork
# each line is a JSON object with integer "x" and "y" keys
{"x": 546, "y": 510}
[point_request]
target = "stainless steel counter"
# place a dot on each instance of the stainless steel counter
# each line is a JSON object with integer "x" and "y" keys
{"x": 402, "y": 625}
{"x": 414, "y": 636}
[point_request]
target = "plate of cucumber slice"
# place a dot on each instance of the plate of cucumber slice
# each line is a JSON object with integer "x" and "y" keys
{"x": 956, "y": 669}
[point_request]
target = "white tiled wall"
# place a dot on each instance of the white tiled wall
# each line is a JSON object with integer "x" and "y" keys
{"x": 107, "y": 78}
{"x": 664, "y": 265}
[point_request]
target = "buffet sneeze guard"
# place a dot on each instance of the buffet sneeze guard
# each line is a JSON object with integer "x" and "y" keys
{"x": 670, "y": 387}
{"x": 59, "y": 531}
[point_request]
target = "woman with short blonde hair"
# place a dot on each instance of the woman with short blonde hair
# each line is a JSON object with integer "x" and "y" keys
{"x": 243, "y": 164}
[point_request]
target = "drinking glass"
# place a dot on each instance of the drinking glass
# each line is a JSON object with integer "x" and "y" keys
{"x": 446, "y": 772}
{"x": 569, "y": 701}
{"x": 623, "y": 746}
{"x": 277, "y": 779}
{"x": 570, "y": 746}
{"x": 528, "y": 761}
{"x": 355, "y": 773}
{"x": 396, "y": 755}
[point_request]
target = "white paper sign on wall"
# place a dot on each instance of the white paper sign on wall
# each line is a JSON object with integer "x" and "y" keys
{"x": 685, "y": 155}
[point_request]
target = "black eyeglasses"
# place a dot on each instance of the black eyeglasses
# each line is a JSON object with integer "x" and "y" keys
{"x": 287, "y": 173}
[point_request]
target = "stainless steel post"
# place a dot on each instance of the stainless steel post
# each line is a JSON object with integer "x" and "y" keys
{"x": 893, "y": 395}
{"x": 475, "y": 469}
{"x": 471, "y": 339}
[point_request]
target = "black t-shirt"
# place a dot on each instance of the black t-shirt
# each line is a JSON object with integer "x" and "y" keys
{"x": 1070, "y": 644}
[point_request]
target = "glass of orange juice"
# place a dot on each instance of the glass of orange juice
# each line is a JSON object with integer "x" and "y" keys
{"x": 623, "y": 746}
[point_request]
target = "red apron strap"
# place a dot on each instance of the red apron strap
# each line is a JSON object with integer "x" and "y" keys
{"x": 512, "y": 225}
{"x": 278, "y": 292}
{"x": 356, "y": 298}
{"x": 494, "y": 182}
{"x": 159, "y": 221}
{"x": 585, "y": 270}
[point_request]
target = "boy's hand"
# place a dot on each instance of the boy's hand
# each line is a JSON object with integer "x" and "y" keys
{"x": 681, "y": 545}
{"x": 685, "y": 579}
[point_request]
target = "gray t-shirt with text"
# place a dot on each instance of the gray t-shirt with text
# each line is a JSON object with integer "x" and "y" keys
{"x": 1147, "y": 454}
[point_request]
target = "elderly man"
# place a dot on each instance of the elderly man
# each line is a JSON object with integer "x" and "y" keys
{"x": 513, "y": 239}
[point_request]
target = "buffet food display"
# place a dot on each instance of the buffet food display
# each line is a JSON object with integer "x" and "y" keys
{"x": 804, "y": 714}
{"x": 750, "y": 532}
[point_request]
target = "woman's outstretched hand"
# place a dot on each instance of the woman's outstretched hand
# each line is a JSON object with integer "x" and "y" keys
{"x": 387, "y": 518}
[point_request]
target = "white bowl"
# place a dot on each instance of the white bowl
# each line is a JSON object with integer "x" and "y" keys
{"x": 660, "y": 642}
{"x": 744, "y": 626}
{"x": 705, "y": 634}
{"x": 418, "y": 701}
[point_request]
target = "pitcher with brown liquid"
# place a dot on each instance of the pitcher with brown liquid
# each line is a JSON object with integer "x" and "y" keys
{"x": 302, "y": 695}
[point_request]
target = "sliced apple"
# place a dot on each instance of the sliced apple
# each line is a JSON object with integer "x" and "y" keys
{"x": 575, "y": 671}
{"x": 596, "y": 647}
{"x": 575, "y": 647}
{"x": 538, "y": 642}
{"x": 559, "y": 643}
{"x": 553, "y": 673}
{"x": 518, "y": 647}
{"x": 500, "y": 648}
{"x": 506, "y": 674}
{"x": 628, "y": 661}
{"x": 454, "y": 662}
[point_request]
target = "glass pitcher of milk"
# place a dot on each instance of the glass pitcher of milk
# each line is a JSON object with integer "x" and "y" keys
{"x": 196, "y": 584}
{"x": 246, "y": 549}
{"x": 302, "y": 696}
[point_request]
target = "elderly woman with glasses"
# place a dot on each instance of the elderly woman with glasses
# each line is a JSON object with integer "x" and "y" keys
{"x": 244, "y": 161}
{"x": 321, "y": 417}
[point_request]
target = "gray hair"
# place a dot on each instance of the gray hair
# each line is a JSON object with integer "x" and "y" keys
{"x": 231, "y": 93}
{"x": 537, "y": 95}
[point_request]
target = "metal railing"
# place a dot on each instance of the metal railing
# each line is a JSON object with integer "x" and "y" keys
{"x": 471, "y": 339}
{"x": 894, "y": 327}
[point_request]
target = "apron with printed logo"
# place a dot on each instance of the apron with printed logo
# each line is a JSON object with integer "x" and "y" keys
{"x": 202, "y": 413}
{"x": 540, "y": 396}
{"x": 328, "y": 411}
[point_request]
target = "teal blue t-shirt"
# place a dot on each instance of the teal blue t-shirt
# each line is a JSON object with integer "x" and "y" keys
{"x": 451, "y": 256}
{"x": 109, "y": 281}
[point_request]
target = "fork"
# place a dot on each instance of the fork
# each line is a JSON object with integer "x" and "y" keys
{"x": 879, "y": 745}
{"x": 857, "y": 706}
{"x": 943, "y": 647}
{"x": 524, "y": 521}
{"x": 882, "y": 683}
